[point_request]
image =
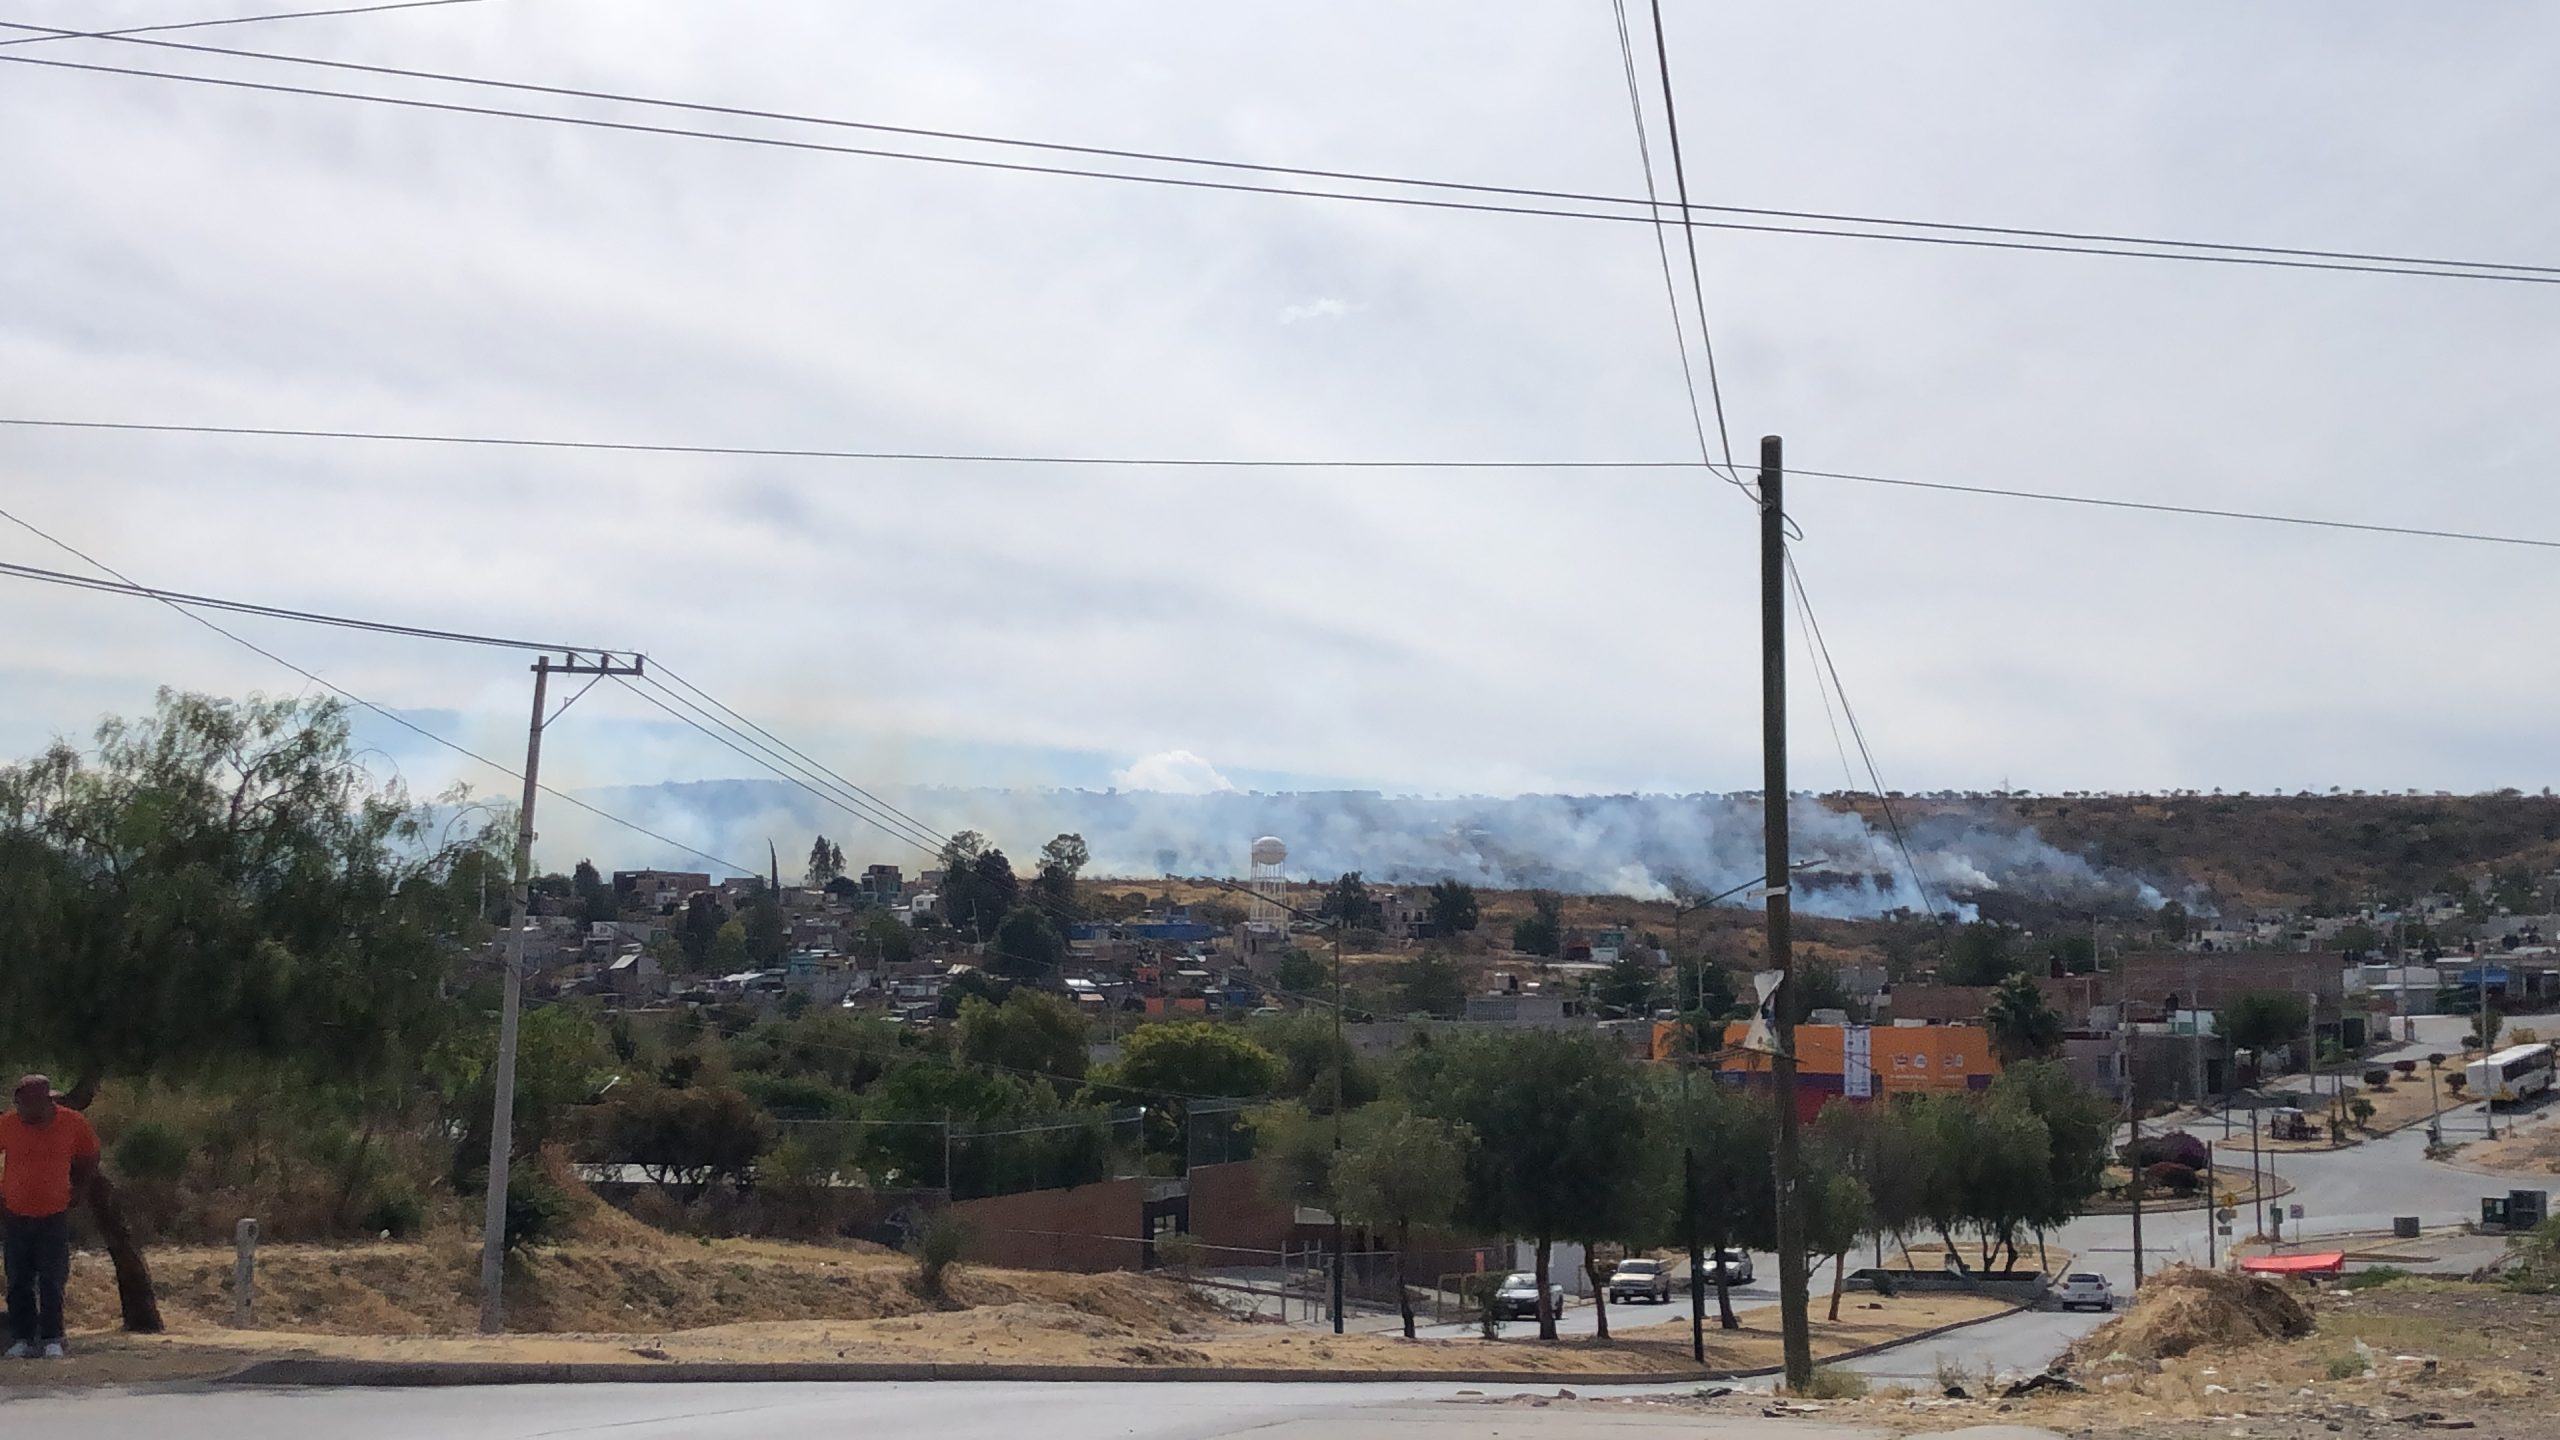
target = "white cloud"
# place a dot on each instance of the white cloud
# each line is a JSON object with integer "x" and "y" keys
{"x": 1326, "y": 308}
{"x": 1175, "y": 772}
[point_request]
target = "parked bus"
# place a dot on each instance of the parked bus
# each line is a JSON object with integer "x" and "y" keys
{"x": 2512, "y": 1074}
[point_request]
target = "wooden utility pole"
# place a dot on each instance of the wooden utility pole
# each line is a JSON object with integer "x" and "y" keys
{"x": 1334, "y": 1201}
{"x": 502, "y": 1115}
{"x": 1794, "y": 1304}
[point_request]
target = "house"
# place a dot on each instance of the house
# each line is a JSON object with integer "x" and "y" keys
{"x": 883, "y": 885}
{"x": 824, "y": 976}
{"x": 661, "y": 892}
{"x": 1404, "y": 916}
{"x": 636, "y": 975}
{"x": 1896, "y": 1060}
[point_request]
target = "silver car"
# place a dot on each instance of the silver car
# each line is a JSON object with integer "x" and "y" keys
{"x": 1518, "y": 1297}
{"x": 2084, "y": 1291}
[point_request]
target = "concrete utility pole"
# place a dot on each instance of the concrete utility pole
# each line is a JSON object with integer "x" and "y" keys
{"x": 1793, "y": 1302}
{"x": 502, "y": 1116}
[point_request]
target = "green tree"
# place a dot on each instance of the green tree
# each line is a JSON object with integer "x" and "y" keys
{"x": 1299, "y": 973}
{"x": 686, "y": 1139}
{"x": 2076, "y": 952}
{"x": 2260, "y": 1020}
{"x": 2355, "y": 941}
{"x": 1556, "y": 1115}
{"x": 1348, "y": 903}
{"x": 826, "y": 863}
{"x": 703, "y": 918}
{"x": 215, "y": 887}
{"x": 979, "y": 887}
{"x": 1706, "y": 991}
{"x": 1981, "y": 952}
{"x": 596, "y": 901}
{"x": 1453, "y": 909}
{"x": 1542, "y": 933}
{"x": 2023, "y": 1025}
{"x": 2173, "y": 922}
{"x": 1311, "y": 1055}
{"x": 1027, "y": 947}
{"x": 1189, "y": 1059}
{"x": 1032, "y": 1030}
{"x": 768, "y": 930}
{"x": 970, "y": 985}
{"x": 729, "y": 946}
{"x": 1728, "y": 1198}
{"x": 1054, "y": 886}
{"x": 890, "y": 940}
{"x": 1628, "y": 986}
{"x": 1398, "y": 1172}
{"x": 1432, "y": 984}
{"x": 2079, "y": 1127}
{"x": 1817, "y": 986}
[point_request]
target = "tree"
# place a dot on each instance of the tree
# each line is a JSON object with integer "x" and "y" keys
{"x": 689, "y": 1138}
{"x": 1400, "y": 1171}
{"x": 1543, "y": 932}
{"x": 768, "y": 929}
{"x": 970, "y": 985}
{"x": 890, "y": 940}
{"x": 1706, "y": 991}
{"x": 826, "y": 863}
{"x": 979, "y": 887}
{"x": 729, "y": 946}
{"x": 1311, "y": 1055}
{"x": 215, "y": 887}
{"x": 2073, "y": 954}
{"x": 596, "y": 901}
{"x": 1556, "y": 1116}
{"x": 2355, "y": 941}
{"x": 703, "y": 918}
{"x": 1728, "y": 1196}
{"x": 1348, "y": 903}
{"x": 1185, "y": 1058}
{"x": 1431, "y": 984}
{"x": 2078, "y": 1128}
{"x": 1453, "y": 909}
{"x": 1982, "y": 952}
{"x": 2173, "y": 922}
{"x": 1299, "y": 973}
{"x": 2023, "y": 1025}
{"x": 1817, "y": 986}
{"x": 1027, "y": 947}
{"x": 1030, "y": 1031}
{"x": 1061, "y": 861}
{"x": 2261, "y": 1020}
{"x": 1628, "y": 986}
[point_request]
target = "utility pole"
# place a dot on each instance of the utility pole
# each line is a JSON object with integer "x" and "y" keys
{"x": 1793, "y": 1303}
{"x": 1334, "y": 1201}
{"x": 2133, "y": 1125}
{"x": 502, "y": 1115}
{"x": 2488, "y": 1092}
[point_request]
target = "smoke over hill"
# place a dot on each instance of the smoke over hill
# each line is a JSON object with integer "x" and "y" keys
{"x": 1644, "y": 846}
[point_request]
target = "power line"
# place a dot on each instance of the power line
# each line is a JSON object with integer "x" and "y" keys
{"x": 180, "y": 605}
{"x": 1661, "y": 243}
{"x": 1689, "y": 236}
{"x": 1240, "y": 463}
{"x": 937, "y": 838}
{"x": 1951, "y": 232}
{"x": 1858, "y": 733}
{"x": 1928, "y": 232}
{"x": 134, "y": 30}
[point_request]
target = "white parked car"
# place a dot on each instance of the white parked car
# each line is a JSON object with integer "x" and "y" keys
{"x": 1641, "y": 1280}
{"x": 2091, "y": 1291}
{"x": 1730, "y": 1267}
{"x": 1518, "y": 1297}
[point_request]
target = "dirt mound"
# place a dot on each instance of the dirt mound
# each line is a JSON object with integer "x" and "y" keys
{"x": 2184, "y": 1308}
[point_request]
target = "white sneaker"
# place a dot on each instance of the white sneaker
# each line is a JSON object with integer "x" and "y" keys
{"x": 53, "y": 1350}
{"x": 22, "y": 1351}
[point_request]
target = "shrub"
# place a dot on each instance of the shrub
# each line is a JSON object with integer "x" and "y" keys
{"x": 2362, "y": 1110}
{"x": 2346, "y": 1367}
{"x": 2406, "y": 1068}
{"x": 1833, "y": 1384}
{"x": 2175, "y": 1147}
{"x": 2454, "y": 1083}
{"x": 938, "y": 1247}
{"x": 151, "y": 1151}
{"x": 1180, "y": 1251}
{"x": 2377, "y": 1077}
{"x": 2171, "y": 1176}
{"x": 399, "y": 1213}
{"x": 2523, "y": 1035}
{"x": 2368, "y": 1279}
{"x": 537, "y": 1210}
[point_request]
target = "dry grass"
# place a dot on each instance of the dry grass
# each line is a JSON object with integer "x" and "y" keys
{"x": 2185, "y": 1308}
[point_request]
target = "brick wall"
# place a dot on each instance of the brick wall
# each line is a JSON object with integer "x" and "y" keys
{"x": 1088, "y": 1228}
{"x": 1229, "y": 1211}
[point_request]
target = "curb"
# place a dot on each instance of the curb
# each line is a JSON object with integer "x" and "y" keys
{"x": 313, "y": 1371}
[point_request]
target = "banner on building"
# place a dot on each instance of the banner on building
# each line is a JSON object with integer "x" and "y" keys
{"x": 1857, "y": 1069}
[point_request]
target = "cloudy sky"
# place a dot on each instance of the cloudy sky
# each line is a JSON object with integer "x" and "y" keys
{"x": 189, "y": 254}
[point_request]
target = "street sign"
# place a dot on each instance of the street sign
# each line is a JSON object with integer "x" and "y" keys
{"x": 2226, "y": 1230}
{"x": 2297, "y": 1211}
{"x": 2230, "y": 1197}
{"x": 2226, "y": 1215}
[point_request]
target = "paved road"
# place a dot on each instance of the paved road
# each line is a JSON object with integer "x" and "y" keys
{"x": 948, "y": 1411}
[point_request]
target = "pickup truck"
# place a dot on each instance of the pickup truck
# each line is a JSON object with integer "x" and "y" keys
{"x": 1641, "y": 1280}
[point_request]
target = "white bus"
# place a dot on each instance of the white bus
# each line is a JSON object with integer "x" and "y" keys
{"x": 2512, "y": 1074}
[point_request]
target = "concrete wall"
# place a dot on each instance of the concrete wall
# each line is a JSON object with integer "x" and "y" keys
{"x": 1230, "y": 1213}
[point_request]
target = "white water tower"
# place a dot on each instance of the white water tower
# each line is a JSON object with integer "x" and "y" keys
{"x": 1269, "y": 854}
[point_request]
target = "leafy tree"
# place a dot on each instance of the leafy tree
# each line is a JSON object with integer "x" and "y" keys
{"x": 1061, "y": 861}
{"x": 1185, "y": 1058}
{"x": 703, "y": 918}
{"x": 216, "y": 886}
{"x": 890, "y": 940}
{"x": 768, "y": 931}
{"x": 1981, "y": 952}
{"x": 1032, "y": 1030}
{"x": 979, "y": 887}
{"x": 2022, "y": 1025}
{"x": 595, "y": 897}
{"x": 1299, "y": 973}
{"x": 1311, "y": 1055}
{"x": 826, "y": 863}
{"x": 1628, "y": 986}
{"x": 2078, "y": 1127}
{"x": 1347, "y": 902}
{"x": 1557, "y": 1115}
{"x": 689, "y": 1139}
{"x": 970, "y": 985}
{"x": 1728, "y": 1195}
{"x": 1816, "y": 985}
{"x": 729, "y": 946}
{"x": 1542, "y": 933}
{"x": 1431, "y": 984}
{"x": 1453, "y": 908}
{"x": 2261, "y": 1020}
{"x": 2074, "y": 954}
{"x": 1400, "y": 1171}
{"x": 1027, "y": 947}
{"x": 2173, "y": 922}
{"x": 1706, "y": 991}
{"x": 2356, "y": 941}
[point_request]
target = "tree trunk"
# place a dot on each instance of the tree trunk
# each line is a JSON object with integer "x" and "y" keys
{"x": 1697, "y": 1289}
{"x": 1599, "y": 1290}
{"x": 135, "y": 1297}
{"x": 1725, "y": 1318}
{"x": 1404, "y": 1277}
{"x": 1546, "y": 1296}
{"x": 1839, "y": 1274}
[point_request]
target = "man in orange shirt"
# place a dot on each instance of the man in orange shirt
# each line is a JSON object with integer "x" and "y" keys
{"x": 48, "y": 1155}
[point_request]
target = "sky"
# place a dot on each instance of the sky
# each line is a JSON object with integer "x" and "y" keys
{"x": 190, "y": 254}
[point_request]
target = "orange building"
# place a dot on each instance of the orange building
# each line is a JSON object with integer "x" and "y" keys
{"x": 1901, "y": 1059}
